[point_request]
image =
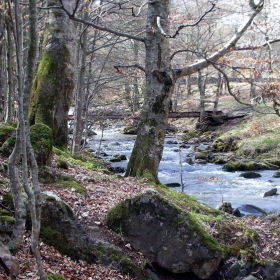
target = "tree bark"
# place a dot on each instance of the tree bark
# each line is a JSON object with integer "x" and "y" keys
{"x": 80, "y": 94}
{"x": 53, "y": 85}
{"x": 9, "y": 50}
{"x": 148, "y": 148}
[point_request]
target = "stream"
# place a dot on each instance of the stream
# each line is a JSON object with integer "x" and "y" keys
{"x": 209, "y": 183}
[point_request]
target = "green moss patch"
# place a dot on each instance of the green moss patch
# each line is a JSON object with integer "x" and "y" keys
{"x": 6, "y": 131}
{"x": 52, "y": 276}
{"x": 67, "y": 181}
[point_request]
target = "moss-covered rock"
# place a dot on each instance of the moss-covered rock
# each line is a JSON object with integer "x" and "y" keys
{"x": 61, "y": 229}
{"x": 191, "y": 134}
{"x": 166, "y": 234}
{"x": 7, "y": 221}
{"x": 250, "y": 175}
{"x": 226, "y": 144}
{"x": 46, "y": 175}
{"x": 236, "y": 164}
{"x": 41, "y": 140}
{"x": 68, "y": 181}
{"x": 6, "y": 131}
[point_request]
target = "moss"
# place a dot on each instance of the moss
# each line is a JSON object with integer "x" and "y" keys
{"x": 41, "y": 140}
{"x": 52, "y": 276}
{"x": 112, "y": 256}
{"x": 236, "y": 238}
{"x": 115, "y": 216}
{"x": 227, "y": 143}
{"x": 7, "y": 200}
{"x": 5, "y": 212}
{"x": 87, "y": 161}
{"x": 56, "y": 239}
{"x": 7, "y": 219}
{"x": 191, "y": 134}
{"x": 78, "y": 187}
{"x": 6, "y": 131}
{"x": 60, "y": 163}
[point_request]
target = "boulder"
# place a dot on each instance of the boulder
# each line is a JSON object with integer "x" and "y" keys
{"x": 166, "y": 234}
{"x": 41, "y": 137}
{"x": 6, "y": 131}
{"x": 250, "y": 175}
{"x": 61, "y": 229}
{"x": 271, "y": 192}
{"x": 8, "y": 262}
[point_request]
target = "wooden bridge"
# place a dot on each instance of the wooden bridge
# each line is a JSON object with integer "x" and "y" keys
{"x": 174, "y": 115}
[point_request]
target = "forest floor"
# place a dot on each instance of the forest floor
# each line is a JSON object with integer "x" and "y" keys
{"x": 104, "y": 192}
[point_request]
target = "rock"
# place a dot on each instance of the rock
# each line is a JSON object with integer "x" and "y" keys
{"x": 172, "y": 142}
{"x": 226, "y": 144}
{"x": 226, "y": 207}
{"x": 202, "y": 156}
{"x": 166, "y": 234}
{"x": 132, "y": 130}
{"x": 239, "y": 164}
{"x": 250, "y": 175}
{"x": 6, "y": 131}
{"x": 173, "y": 185}
{"x": 41, "y": 137}
{"x": 236, "y": 212}
{"x": 46, "y": 175}
{"x": 276, "y": 175}
{"x": 200, "y": 161}
{"x": 117, "y": 169}
{"x": 8, "y": 262}
{"x": 7, "y": 221}
{"x": 271, "y": 192}
{"x": 193, "y": 141}
{"x": 189, "y": 160}
{"x": 61, "y": 229}
{"x": 252, "y": 210}
{"x": 233, "y": 270}
{"x": 271, "y": 270}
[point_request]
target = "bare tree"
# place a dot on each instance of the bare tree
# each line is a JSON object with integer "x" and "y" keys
{"x": 22, "y": 158}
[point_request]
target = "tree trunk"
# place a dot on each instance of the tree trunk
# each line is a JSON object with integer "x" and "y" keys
{"x": 9, "y": 50}
{"x": 201, "y": 87}
{"x": 23, "y": 152}
{"x": 80, "y": 94}
{"x": 136, "y": 104}
{"x": 148, "y": 148}
{"x": 53, "y": 85}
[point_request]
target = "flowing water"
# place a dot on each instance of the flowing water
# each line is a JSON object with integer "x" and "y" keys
{"x": 209, "y": 183}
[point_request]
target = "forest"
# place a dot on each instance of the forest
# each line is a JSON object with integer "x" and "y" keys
{"x": 72, "y": 65}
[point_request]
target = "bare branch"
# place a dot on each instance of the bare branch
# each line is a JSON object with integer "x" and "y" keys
{"x": 266, "y": 43}
{"x": 99, "y": 27}
{"x": 229, "y": 46}
{"x": 183, "y": 25}
{"x": 130, "y": 66}
{"x": 139, "y": 11}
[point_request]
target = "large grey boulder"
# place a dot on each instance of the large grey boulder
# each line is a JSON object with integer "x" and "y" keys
{"x": 166, "y": 234}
